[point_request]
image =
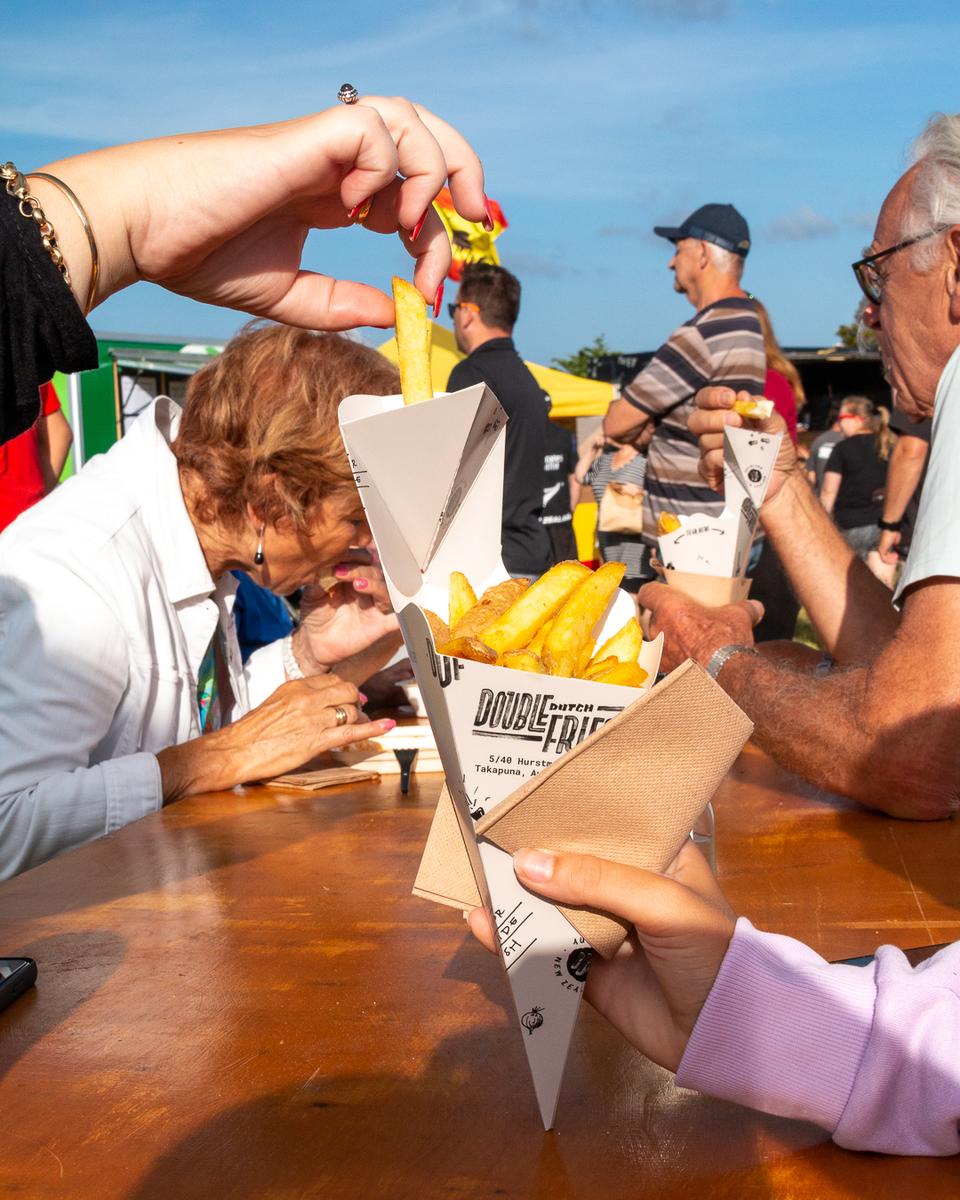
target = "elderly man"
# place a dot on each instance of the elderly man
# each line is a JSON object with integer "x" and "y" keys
{"x": 721, "y": 344}
{"x": 883, "y": 725}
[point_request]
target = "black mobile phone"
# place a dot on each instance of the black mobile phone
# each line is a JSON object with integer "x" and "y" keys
{"x": 16, "y": 975}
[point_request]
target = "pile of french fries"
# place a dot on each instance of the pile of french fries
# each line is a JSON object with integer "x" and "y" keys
{"x": 545, "y": 627}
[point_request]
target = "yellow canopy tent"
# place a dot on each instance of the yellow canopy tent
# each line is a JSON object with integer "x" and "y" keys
{"x": 571, "y": 396}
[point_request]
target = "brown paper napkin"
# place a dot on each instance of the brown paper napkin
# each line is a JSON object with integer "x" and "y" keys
{"x": 630, "y": 792}
{"x": 313, "y": 781}
{"x": 711, "y": 590}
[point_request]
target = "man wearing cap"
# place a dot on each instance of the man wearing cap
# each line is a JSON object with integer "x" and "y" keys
{"x": 723, "y": 343}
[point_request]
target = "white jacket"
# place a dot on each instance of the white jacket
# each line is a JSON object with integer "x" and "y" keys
{"x": 106, "y": 610}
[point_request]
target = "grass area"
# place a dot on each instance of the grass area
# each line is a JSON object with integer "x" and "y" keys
{"x": 805, "y": 632}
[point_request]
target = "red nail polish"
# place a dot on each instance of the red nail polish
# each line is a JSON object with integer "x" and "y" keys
{"x": 438, "y": 300}
{"x": 488, "y": 221}
{"x": 388, "y": 724}
{"x": 361, "y": 697}
{"x": 361, "y": 584}
{"x": 358, "y": 208}
{"x": 419, "y": 226}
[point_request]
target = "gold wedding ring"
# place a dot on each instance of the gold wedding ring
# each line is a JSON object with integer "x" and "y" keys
{"x": 340, "y": 715}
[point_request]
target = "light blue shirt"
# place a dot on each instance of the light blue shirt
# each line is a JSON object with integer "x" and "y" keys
{"x": 935, "y": 549}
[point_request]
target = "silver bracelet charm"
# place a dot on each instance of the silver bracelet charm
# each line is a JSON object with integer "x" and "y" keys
{"x": 719, "y": 658}
{"x": 291, "y": 667}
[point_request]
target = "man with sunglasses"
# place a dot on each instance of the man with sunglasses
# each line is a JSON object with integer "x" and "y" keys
{"x": 879, "y": 720}
{"x": 484, "y": 314}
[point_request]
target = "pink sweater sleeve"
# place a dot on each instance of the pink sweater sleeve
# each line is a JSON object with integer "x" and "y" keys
{"x": 870, "y": 1053}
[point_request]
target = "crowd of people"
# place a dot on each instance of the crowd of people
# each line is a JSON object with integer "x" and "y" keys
{"x": 122, "y": 687}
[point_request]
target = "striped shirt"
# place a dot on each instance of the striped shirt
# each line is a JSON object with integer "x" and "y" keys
{"x": 722, "y": 344}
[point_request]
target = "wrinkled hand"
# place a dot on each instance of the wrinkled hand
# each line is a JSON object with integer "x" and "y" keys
{"x": 347, "y": 621}
{"x": 691, "y": 630}
{"x": 383, "y": 689}
{"x": 887, "y": 546}
{"x": 287, "y": 730}
{"x": 652, "y": 991}
{"x": 223, "y": 216}
{"x": 714, "y": 411}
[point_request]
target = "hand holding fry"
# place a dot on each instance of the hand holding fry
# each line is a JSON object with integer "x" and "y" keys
{"x": 716, "y": 408}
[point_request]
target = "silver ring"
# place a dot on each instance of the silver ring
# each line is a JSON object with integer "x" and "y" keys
{"x": 340, "y": 715}
{"x": 348, "y": 94}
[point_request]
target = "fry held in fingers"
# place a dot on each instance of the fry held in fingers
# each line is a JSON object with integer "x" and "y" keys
{"x": 413, "y": 342}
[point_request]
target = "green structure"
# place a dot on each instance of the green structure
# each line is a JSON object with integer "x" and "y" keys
{"x": 100, "y": 404}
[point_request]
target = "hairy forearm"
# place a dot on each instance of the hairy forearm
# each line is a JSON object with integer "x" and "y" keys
{"x": 839, "y": 733}
{"x": 850, "y": 609}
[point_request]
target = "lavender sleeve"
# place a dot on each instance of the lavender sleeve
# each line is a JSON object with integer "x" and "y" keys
{"x": 870, "y": 1053}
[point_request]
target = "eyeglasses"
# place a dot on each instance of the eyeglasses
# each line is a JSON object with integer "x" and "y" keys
{"x": 870, "y": 279}
{"x": 454, "y": 305}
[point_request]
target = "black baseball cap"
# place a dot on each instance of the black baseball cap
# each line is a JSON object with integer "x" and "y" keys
{"x": 717, "y": 223}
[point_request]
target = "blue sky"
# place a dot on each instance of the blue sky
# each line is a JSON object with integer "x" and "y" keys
{"x": 595, "y": 119}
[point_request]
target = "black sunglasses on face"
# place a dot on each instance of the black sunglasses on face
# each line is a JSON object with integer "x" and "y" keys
{"x": 870, "y": 279}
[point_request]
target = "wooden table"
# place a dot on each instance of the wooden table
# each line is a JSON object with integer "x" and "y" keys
{"x": 240, "y": 998}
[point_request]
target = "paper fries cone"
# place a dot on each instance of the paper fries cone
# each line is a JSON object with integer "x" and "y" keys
{"x": 631, "y": 792}
{"x": 711, "y": 590}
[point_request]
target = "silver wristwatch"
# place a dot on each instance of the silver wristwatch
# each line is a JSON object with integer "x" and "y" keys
{"x": 719, "y": 658}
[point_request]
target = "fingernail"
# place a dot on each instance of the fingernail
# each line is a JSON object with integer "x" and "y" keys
{"x": 358, "y": 208}
{"x": 419, "y": 226}
{"x": 360, "y": 584}
{"x": 488, "y": 221}
{"x": 388, "y": 724}
{"x": 361, "y": 697}
{"x": 342, "y": 572}
{"x": 534, "y": 864}
{"x": 438, "y": 300}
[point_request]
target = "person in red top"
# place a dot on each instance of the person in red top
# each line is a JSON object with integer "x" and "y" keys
{"x": 782, "y": 383}
{"x": 30, "y": 464}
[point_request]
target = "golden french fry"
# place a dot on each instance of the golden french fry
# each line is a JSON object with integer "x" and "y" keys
{"x": 468, "y": 647}
{"x": 586, "y": 654}
{"x": 439, "y": 630}
{"x": 493, "y": 603}
{"x": 536, "y": 642}
{"x": 541, "y": 601}
{"x": 758, "y": 410}
{"x": 575, "y": 621}
{"x": 623, "y": 674}
{"x": 598, "y": 668}
{"x": 522, "y": 660}
{"x": 462, "y": 597}
{"x": 413, "y": 342}
{"x": 667, "y": 522}
{"x": 624, "y": 645}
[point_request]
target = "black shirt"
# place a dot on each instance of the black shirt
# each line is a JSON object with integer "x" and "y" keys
{"x": 863, "y": 480}
{"x": 41, "y": 327}
{"x": 526, "y": 546}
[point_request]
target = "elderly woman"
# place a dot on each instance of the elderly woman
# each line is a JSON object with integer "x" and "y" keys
{"x": 121, "y": 685}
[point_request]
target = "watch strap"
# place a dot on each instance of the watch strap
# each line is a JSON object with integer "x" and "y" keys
{"x": 719, "y": 658}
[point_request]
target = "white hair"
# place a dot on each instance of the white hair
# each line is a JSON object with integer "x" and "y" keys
{"x": 935, "y": 194}
{"x": 725, "y": 260}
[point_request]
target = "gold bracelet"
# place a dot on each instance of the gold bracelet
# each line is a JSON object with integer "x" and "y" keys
{"x": 16, "y": 186}
{"x": 87, "y": 229}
